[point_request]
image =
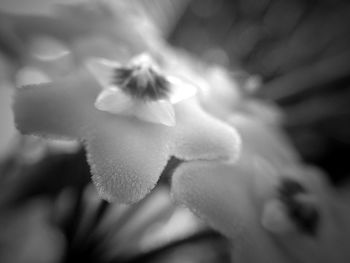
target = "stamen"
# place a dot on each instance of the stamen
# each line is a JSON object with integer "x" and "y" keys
{"x": 142, "y": 80}
{"x": 304, "y": 214}
{"x": 120, "y": 75}
{"x": 289, "y": 188}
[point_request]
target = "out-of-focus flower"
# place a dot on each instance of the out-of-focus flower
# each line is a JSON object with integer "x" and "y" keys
{"x": 86, "y": 29}
{"x": 286, "y": 214}
{"x": 126, "y": 154}
{"x": 221, "y": 94}
{"x": 224, "y": 196}
{"x": 12, "y": 143}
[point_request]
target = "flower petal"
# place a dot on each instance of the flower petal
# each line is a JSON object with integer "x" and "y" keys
{"x": 221, "y": 94}
{"x": 103, "y": 70}
{"x": 30, "y": 76}
{"x": 52, "y": 57}
{"x": 223, "y": 196}
{"x": 198, "y": 135}
{"x": 57, "y": 67}
{"x": 227, "y": 197}
{"x": 262, "y": 139}
{"x": 329, "y": 243}
{"x": 99, "y": 47}
{"x": 60, "y": 109}
{"x": 47, "y": 48}
{"x": 275, "y": 218}
{"x": 180, "y": 90}
{"x": 114, "y": 101}
{"x": 127, "y": 157}
{"x": 161, "y": 112}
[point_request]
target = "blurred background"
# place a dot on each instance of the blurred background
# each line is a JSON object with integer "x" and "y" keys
{"x": 299, "y": 49}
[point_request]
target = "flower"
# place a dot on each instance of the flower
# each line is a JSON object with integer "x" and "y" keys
{"x": 126, "y": 154}
{"x": 139, "y": 89}
{"x": 242, "y": 202}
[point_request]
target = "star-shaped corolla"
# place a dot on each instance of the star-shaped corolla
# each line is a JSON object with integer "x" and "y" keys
{"x": 138, "y": 89}
{"x": 126, "y": 151}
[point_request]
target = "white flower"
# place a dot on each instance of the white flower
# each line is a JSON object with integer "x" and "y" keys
{"x": 138, "y": 89}
{"x": 126, "y": 155}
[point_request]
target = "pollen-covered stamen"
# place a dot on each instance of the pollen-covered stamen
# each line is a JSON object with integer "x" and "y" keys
{"x": 142, "y": 80}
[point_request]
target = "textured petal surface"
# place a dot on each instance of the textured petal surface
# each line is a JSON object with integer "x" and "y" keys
{"x": 61, "y": 109}
{"x": 160, "y": 112}
{"x": 114, "y": 101}
{"x": 127, "y": 157}
{"x": 330, "y": 244}
{"x": 224, "y": 196}
{"x": 199, "y": 136}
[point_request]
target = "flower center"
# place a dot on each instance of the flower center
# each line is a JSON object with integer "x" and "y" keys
{"x": 142, "y": 80}
{"x": 304, "y": 214}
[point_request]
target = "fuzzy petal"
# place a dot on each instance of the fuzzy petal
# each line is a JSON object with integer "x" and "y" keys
{"x": 201, "y": 136}
{"x": 60, "y": 109}
{"x": 127, "y": 157}
{"x": 223, "y": 196}
{"x": 180, "y": 90}
{"x": 161, "y": 112}
{"x": 114, "y": 101}
{"x": 103, "y": 70}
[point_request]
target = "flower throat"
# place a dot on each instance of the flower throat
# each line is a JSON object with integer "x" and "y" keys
{"x": 141, "y": 80}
